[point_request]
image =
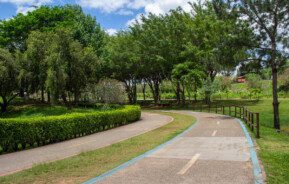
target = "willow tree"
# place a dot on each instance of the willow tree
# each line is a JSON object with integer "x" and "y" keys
{"x": 8, "y": 78}
{"x": 71, "y": 67}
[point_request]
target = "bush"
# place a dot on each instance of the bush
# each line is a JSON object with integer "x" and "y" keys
{"x": 107, "y": 90}
{"x": 18, "y": 133}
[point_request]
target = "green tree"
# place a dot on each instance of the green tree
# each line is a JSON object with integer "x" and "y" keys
{"x": 35, "y": 54}
{"x": 217, "y": 42}
{"x": 8, "y": 78}
{"x": 189, "y": 76}
{"x": 150, "y": 37}
{"x": 15, "y": 31}
{"x": 124, "y": 61}
{"x": 269, "y": 19}
{"x": 71, "y": 67}
{"x": 254, "y": 82}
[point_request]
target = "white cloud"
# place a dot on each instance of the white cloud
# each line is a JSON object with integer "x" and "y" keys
{"x": 24, "y": 6}
{"x": 24, "y": 9}
{"x": 107, "y": 6}
{"x": 134, "y": 20}
{"x": 111, "y": 31}
{"x": 124, "y": 12}
{"x": 150, "y": 6}
{"x": 26, "y": 2}
{"x": 157, "y": 7}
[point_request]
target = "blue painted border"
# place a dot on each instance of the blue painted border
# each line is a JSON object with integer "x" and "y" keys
{"x": 256, "y": 167}
{"x": 132, "y": 161}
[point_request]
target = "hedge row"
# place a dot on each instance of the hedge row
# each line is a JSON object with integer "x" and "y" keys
{"x": 17, "y": 134}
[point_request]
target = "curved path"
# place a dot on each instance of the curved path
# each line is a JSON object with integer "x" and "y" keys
{"x": 13, "y": 162}
{"x": 217, "y": 149}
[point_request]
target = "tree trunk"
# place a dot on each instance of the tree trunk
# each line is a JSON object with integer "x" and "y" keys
{"x": 134, "y": 92}
{"x": 64, "y": 98}
{"x": 178, "y": 91}
{"x": 183, "y": 96}
{"x": 42, "y": 96}
{"x": 195, "y": 92}
{"x": 21, "y": 92}
{"x": 76, "y": 97}
{"x": 144, "y": 91}
{"x": 131, "y": 91}
{"x": 207, "y": 97}
{"x": 48, "y": 97}
{"x": 275, "y": 99}
{"x": 156, "y": 92}
{"x": 4, "y": 105}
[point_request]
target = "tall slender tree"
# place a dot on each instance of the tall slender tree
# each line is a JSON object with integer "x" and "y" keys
{"x": 269, "y": 19}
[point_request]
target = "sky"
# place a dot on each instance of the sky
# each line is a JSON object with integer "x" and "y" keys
{"x": 113, "y": 15}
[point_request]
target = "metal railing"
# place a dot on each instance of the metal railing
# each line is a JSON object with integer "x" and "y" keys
{"x": 250, "y": 118}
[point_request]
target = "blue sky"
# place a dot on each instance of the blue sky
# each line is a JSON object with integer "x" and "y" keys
{"x": 112, "y": 15}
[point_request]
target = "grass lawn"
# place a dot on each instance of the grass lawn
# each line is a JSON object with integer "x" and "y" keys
{"x": 274, "y": 153}
{"x": 87, "y": 165}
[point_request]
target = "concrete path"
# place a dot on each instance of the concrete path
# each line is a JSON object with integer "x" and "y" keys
{"x": 13, "y": 162}
{"x": 215, "y": 150}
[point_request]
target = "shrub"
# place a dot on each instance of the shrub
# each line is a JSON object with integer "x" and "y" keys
{"x": 44, "y": 130}
{"x": 106, "y": 91}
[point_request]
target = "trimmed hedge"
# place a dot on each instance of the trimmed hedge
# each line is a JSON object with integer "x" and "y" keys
{"x": 17, "y": 134}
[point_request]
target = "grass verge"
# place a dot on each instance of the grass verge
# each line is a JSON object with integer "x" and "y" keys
{"x": 87, "y": 165}
{"x": 274, "y": 154}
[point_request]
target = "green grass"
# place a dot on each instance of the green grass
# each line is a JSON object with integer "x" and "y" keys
{"x": 87, "y": 165}
{"x": 274, "y": 154}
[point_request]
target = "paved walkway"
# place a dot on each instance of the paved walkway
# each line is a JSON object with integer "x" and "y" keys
{"x": 215, "y": 150}
{"x": 13, "y": 162}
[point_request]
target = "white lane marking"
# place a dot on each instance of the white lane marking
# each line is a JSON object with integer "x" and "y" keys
{"x": 218, "y": 122}
{"x": 214, "y": 133}
{"x": 189, "y": 164}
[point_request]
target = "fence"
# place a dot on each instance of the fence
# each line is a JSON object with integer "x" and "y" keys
{"x": 250, "y": 118}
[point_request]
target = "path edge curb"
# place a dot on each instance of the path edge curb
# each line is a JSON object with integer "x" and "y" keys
{"x": 257, "y": 171}
{"x": 140, "y": 157}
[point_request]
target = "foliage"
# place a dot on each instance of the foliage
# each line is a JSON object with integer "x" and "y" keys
{"x": 269, "y": 20}
{"x": 123, "y": 62}
{"x": 71, "y": 67}
{"x": 189, "y": 75}
{"x": 43, "y": 130}
{"x": 110, "y": 91}
{"x": 15, "y": 31}
{"x": 34, "y": 65}
{"x": 8, "y": 78}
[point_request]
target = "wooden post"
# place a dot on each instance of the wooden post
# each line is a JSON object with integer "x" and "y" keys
{"x": 246, "y": 115}
{"x": 216, "y": 109}
{"x": 235, "y": 111}
{"x": 240, "y": 109}
{"x": 249, "y": 119}
{"x": 252, "y": 121}
{"x": 257, "y": 126}
{"x": 229, "y": 110}
{"x": 223, "y": 109}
